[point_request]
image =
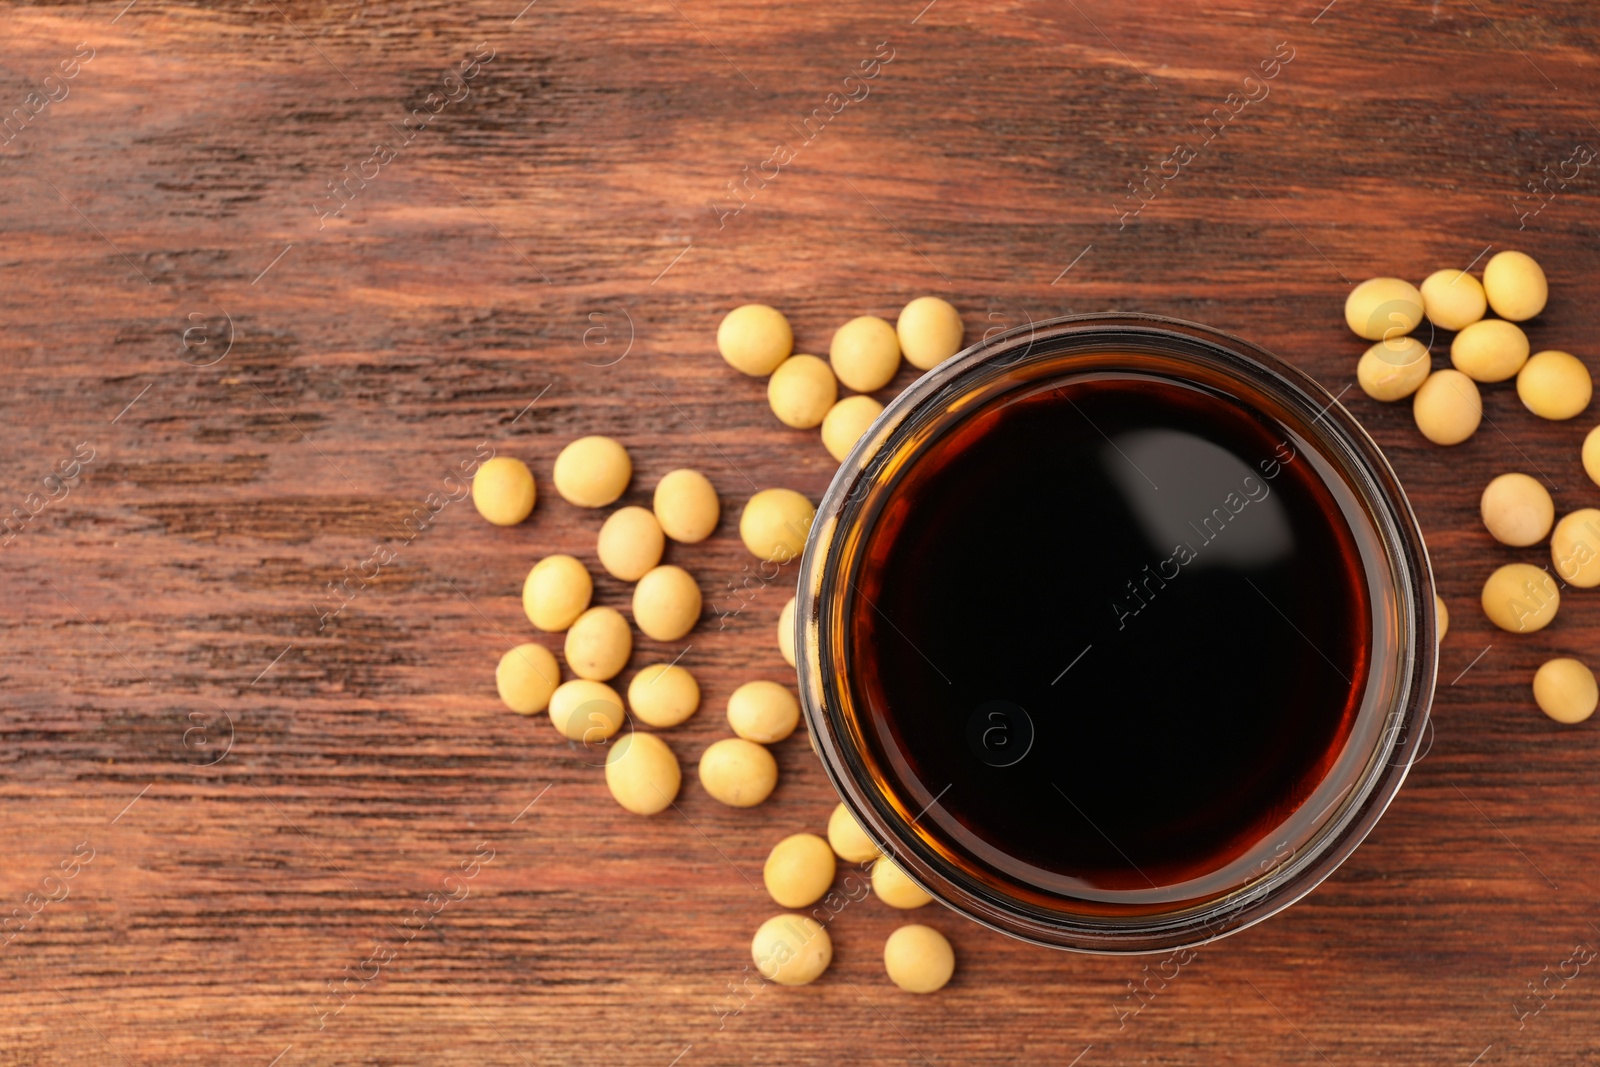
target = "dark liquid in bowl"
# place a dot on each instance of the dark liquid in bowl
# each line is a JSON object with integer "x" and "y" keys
{"x": 1119, "y": 627}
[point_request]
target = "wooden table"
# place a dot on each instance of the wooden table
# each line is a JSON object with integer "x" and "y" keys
{"x": 261, "y": 804}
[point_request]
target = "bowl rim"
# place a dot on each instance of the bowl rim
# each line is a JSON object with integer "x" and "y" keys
{"x": 1393, "y": 518}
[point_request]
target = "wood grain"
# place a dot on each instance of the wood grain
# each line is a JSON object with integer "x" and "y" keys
{"x": 542, "y": 260}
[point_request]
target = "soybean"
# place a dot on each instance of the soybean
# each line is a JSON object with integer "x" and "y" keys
{"x": 754, "y": 339}
{"x": 525, "y": 678}
{"x": 1520, "y": 598}
{"x": 1393, "y": 369}
{"x": 1452, "y": 299}
{"x": 786, "y": 632}
{"x": 1490, "y": 351}
{"x": 801, "y": 391}
{"x": 1443, "y": 614}
{"x": 1515, "y": 286}
{"x": 1575, "y": 548}
{"x": 503, "y": 491}
{"x": 763, "y": 711}
{"x": 555, "y": 592}
{"x": 1555, "y": 385}
{"x": 918, "y": 959}
{"x": 929, "y": 331}
{"x": 791, "y": 949}
{"x": 845, "y": 422}
{"x": 631, "y": 543}
{"x": 739, "y": 773}
{"x": 686, "y": 506}
{"x": 666, "y": 603}
{"x": 865, "y": 353}
{"x": 642, "y": 773}
{"x": 1448, "y": 407}
{"x": 1591, "y": 455}
{"x": 1379, "y": 308}
{"x": 1565, "y": 690}
{"x": 799, "y": 870}
{"x": 663, "y": 694}
{"x": 1517, "y": 510}
{"x": 599, "y": 644}
{"x": 591, "y": 472}
{"x": 775, "y": 523}
{"x": 848, "y": 839}
{"x": 894, "y": 888}
{"x": 585, "y": 710}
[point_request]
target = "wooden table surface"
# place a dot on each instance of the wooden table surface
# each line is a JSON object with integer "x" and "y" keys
{"x": 230, "y": 817}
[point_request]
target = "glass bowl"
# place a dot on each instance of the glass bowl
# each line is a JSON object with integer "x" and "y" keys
{"x": 907, "y": 818}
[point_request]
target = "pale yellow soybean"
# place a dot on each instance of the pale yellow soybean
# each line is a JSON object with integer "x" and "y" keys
{"x": 503, "y": 490}
{"x": 599, "y": 644}
{"x": 642, "y": 773}
{"x": 763, "y": 711}
{"x": 1517, "y": 510}
{"x": 1490, "y": 350}
{"x": 631, "y": 543}
{"x": 894, "y": 887}
{"x": 1591, "y": 455}
{"x": 1515, "y": 285}
{"x": 865, "y": 353}
{"x": 686, "y": 506}
{"x": 525, "y": 678}
{"x": 1393, "y": 369}
{"x": 799, "y": 870}
{"x": 845, "y": 422}
{"x": 555, "y": 592}
{"x": 929, "y": 331}
{"x": 737, "y": 772}
{"x": 1383, "y": 307}
{"x": 848, "y": 839}
{"x": 666, "y": 603}
{"x": 774, "y": 524}
{"x": 801, "y": 391}
{"x": 1565, "y": 690}
{"x": 1520, "y": 598}
{"x": 786, "y": 632}
{"x": 754, "y": 339}
{"x": 663, "y": 694}
{"x": 584, "y": 710}
{"x": 1448, "y": 407}
{"x": 918, "y": 959}
{"x": 591, "y": 472}
{"x": 1443, "y": 614}
{"x": 791, "y": 949}
{"x": 1555, "y": 385}
{"x": 1452, "y": 299}
{"x": 1575, "y": 548}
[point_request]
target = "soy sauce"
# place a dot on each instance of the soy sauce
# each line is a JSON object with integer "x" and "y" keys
{"x": 1118, "y": 628}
